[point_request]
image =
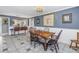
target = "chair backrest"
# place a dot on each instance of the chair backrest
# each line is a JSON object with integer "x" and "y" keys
{"x": 78, "y": 36}
{"x": 59, "y": 35}
{"x": 32, "y": 35}
{"x": 56, "y": 39}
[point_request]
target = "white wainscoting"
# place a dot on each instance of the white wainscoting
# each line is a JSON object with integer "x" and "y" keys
{"x": 0, "y": 43}
{"x": 0, "y": 26}
{"x": 66, "y": 36}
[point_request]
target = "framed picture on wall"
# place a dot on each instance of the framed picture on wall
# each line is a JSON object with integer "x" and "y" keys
{"x": 48, "y": 20}
{"x": 38, "y": 21}
{"x": 67, "y": 18}
{"x": 5, "y": 21}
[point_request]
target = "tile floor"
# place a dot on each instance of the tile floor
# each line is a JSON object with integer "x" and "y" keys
{"x": 21, "y": 44}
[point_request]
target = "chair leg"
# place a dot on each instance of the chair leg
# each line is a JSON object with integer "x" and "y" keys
{"x": 31, "y": 42}
{"x": 18, "y": 32}
{"x": 34, "y": 44}
{"x": 14, "y": 32}
{"x": 57, "y": 45}
{"x": 76, "y": 45}
{"x": 71, "y": 45}
{"x": 55, "y": 48}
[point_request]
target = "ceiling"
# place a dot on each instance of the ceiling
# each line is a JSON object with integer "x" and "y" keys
{"x": 29, "y": 11}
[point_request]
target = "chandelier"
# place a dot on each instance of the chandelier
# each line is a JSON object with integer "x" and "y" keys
{"x": 39, "y": 9}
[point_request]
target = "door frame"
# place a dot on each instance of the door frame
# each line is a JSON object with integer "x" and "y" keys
{"x": 7, "y": 25}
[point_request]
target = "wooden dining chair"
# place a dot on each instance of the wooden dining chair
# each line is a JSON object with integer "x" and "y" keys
{"x": 54, "y": 41}
{"x": 76, "y": 41}
{"x": 33, "y": 38}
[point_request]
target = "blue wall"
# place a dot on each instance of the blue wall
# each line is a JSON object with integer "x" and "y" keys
{"x": 58, "y": 19}
{"x": 75, "y": 18}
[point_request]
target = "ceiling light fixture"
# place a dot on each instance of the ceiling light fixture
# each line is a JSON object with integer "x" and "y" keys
{"x": 39, "y": 9}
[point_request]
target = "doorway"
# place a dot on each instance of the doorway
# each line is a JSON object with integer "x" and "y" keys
{"x": 4, "y": 25}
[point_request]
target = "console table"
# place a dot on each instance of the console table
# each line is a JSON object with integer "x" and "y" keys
{"x": 18, "y": 29}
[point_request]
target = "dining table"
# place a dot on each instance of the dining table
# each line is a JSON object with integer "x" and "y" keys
{"x": 45, "y": 35}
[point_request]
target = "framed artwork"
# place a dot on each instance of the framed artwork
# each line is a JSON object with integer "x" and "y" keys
{"x": 48, "y": 20}
{"x": 5, "y": 21}
{"x": 38, "y": 21}
{"x": 67, "y": 18}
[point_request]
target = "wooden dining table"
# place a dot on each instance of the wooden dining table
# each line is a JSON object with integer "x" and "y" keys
{"x": 45, "y": 35}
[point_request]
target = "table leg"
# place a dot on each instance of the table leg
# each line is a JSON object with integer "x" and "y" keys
{"x": 45, "y": 46}
{"x": 14, "y": 33}
{"x": 76, "y": 45}
{"x": 11, "y": 32}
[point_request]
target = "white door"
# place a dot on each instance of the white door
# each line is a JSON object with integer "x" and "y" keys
{"x": 4, "y": 25}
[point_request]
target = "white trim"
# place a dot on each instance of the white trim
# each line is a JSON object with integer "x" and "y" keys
{"x": 55, "y": 11}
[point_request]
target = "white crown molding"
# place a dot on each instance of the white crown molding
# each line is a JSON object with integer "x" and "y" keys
{"x": 19, "y": 15}
{"x": 56, "y": 10}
